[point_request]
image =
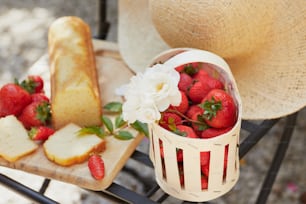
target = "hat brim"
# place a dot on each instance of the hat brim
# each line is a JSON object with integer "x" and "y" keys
{"x": 271, "y": 81}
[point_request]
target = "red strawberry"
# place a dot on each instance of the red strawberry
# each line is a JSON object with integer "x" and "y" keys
{"x": 193, "y": 109}
{"x": 186, "y": 131}
{"x": 35, "y": 114}
{"x": 198, "y": 91}
{"x": 181, "y": 173}
{"x": 179, "y": 155}
{"x": 40, "y": 97}
{"x": 33, "y": 84}
{"x": 169, "y": 120}
{"x": 161, "y": 149}
{"x": 204, "y": 161}
{"x": 205, "y": 170}
{"x": 198, "y": 122}
{"x": 210, "y": 81}
{"x": 204, "y": 182}
{"x": 204, "y": 158}
{"x": 96, "y": 166}
{"x": 199, "y": 74}
{"x": 213, "y": 132}
{"x": 183, "y": 106}
{"x": 13, "y": 99}
{"x": 189, "y": 68}
{"x": 41, "y": 133}
{"x": 214, "y": 83}
{"x": 185, "y": 82}
{"x": 220, "y": 109}
{"x": 180, "y": 69}
{"x": 225, "y": 157}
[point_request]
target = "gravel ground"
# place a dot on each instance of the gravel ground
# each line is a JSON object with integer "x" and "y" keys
{"x": 23, "y": 30}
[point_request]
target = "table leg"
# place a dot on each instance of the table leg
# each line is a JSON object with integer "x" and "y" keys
{"x": 103, "y": 24}
{"x": 277, "y": 160}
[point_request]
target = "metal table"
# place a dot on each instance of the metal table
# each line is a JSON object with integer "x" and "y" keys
{"x": 256, "y": 131}
{"x": 118, "y": 192}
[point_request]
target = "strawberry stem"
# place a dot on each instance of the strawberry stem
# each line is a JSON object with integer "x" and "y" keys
{"x": 186, "y": 118}
{"x": 211, "y": 107}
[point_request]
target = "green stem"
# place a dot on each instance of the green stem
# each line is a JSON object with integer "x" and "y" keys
{"x": 185, "y": 117}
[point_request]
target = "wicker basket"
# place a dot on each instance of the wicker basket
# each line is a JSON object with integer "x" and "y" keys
{"x": 185, "y": 182}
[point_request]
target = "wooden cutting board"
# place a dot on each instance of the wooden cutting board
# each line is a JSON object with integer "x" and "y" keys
{"x": 113, "y": 72}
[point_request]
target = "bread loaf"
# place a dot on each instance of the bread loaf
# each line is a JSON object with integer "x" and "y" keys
{"x": 75, "y": 93}
{"x": 66, "y": 147}
{"x": 14, "y": 140}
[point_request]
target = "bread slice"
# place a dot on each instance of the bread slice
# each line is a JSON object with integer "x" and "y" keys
{"x": 65, "y": 147}
{"x": 75, "y": 93}
{"x": 14, "y": 140}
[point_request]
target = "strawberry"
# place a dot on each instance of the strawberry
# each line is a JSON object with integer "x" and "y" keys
{"x": 198, "y": 122}
{"x": 35, "y": 114}
{"x": 96, "y": 166}
{"x": 204, "y": 182}
{"x": 33, "y": 84}
{"x": 183, "y": 106}
{"x": 210, "y": 81}
{"x": 205, "y": 169}
{"x": 185, "y": 131}
{"x": 213, "y": 132}
{"x": 169, "y": 120}
{"x": 39, "y": 97}
{"x": 189, "y": 68}
{"x": 193, "y": 109}
{"x": 179, "y": 155}
{"x": 201, "y": 73}
{"x": 198, "y": 91}
{"x": 225, "y": 157}
{"x": 184, "y": 82}
{"x": 220, "y": 109}
{"x": 181, "y": 173}
{"x": 161, "y": 149}
{"x": 40, "y": 133}
{"x": 204, "y": 158}
{"x": 13, "y": 99}
{"x": 180, "y": 69}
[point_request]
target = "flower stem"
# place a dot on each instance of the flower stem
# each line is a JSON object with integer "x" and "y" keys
{"x": 185, "y": 117}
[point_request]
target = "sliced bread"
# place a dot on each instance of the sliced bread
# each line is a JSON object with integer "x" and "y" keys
{"x": 66, "y": 147}
{"x": 14, "y": 140}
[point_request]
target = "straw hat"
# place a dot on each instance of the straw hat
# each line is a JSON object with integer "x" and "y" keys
{"x": 264, "y": 42}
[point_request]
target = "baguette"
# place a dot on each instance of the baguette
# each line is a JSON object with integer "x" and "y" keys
{"x": 65, "y": 147}
{"x": 75, "y": 94}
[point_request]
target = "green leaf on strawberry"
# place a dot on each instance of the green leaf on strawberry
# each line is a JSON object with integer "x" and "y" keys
{"x": 211, "y": 108}
{"x": 201, "y": 123}
{"x": 43, "y": 112}
{"x": 33, "y": 84}
{"x": 40, "y": 133}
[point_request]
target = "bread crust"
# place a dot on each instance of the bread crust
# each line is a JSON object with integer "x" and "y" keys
{"x": 65, "y": 147}
{"x": 78, "y": 159}
{"x": 75, "y": 93}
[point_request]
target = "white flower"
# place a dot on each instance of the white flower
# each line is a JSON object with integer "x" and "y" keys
{"x": 150, "y": 93}
{"x": 140, "y": 108}
{"x": 162, "y": 83}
